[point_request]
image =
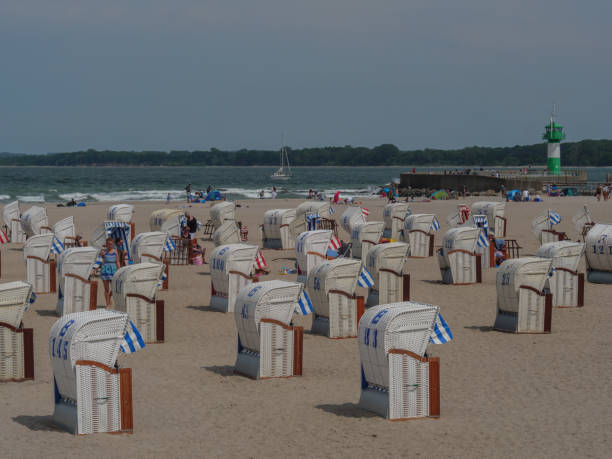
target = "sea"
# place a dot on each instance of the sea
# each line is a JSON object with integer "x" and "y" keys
{"x": 114, "y": 184}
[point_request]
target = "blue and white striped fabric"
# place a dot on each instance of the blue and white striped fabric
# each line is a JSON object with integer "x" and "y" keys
{"x": 57, "y": 247}
{"x": 441, "y": 333}
{"x": 483, "y": 240}
{"x": 304, "y": 305}
{"x": 119, "y": 230}
{"x": 435, "y": 224}
{"x": 365, "y": 279}
{"x": 331, "y": 210}
{"x": 481, "y": 221}
{"x": 132, "y": 341}
{"x": 554, "y": 218}
{"x": 32, "y": 299}
{"x": 312, "y": 220}
{"x": 182, "y": 221}
{"x": 160, "y": 283}
{"x": 169, "y": 246}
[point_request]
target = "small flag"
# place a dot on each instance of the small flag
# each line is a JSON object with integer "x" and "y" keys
{"x": 334, "y": 243}
{"x": 132, "y": 341}
{"x": 164, "y": 276}
{"x": 169, "y": 246}
{"x": 57, "y": 247}
{"x": 483, "y": 240}
{"x": 554, "y": 217}
{"x": 3, "y": 237}
{"x": 331, "y": 210}
{"x": 441, "y": 332}
{"x": 435, "y": 224}
{"x": 365, "y": 211}
{"x": 32, "y": 299}
{"x": 365, "y": 279}
{"x": 260, "y": 261}
{"x": 304, "y": 305}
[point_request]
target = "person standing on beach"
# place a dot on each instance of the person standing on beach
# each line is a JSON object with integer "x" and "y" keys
{"x": 110, "y": 265}
{"x": 192, "y": 224}
{"x": 598, "y": 192}
{"x": 188, "y": 192}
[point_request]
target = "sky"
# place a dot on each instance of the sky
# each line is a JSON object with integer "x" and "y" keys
{"x": 232, "y": 74}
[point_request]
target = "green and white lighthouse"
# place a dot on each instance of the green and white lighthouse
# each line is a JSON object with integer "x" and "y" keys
{"x": 554, "y": 135}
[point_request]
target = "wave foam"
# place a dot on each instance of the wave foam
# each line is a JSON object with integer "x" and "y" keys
{"x": 38, "y": 198}
{"x": 4, "y": 197}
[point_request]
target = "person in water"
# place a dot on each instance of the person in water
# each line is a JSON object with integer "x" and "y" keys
{"x": 110, "y": 264}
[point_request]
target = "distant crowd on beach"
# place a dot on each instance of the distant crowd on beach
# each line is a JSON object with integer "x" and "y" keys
{"x": 603, "y": 191}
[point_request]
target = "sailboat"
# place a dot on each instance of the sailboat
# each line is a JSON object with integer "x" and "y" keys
{"x": 284, "y": 171}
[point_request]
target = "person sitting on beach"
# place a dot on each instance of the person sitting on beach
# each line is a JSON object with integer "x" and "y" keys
{"x": 500, "y": 255}
{"x": 110, "y": 264}
{"x": 261, "y": 194}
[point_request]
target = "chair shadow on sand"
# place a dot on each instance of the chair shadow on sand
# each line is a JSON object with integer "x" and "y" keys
{"x": 202, "y": 273}
{"x": 222, "y": 370}
{"x": 205, "y": 308}
{"x": 38, "y": 423}
{"x": 347, "y": 410}
{"x": 435, "y": 282}
{"x": 482, "y": 328}
{"x": 47, "y": 313}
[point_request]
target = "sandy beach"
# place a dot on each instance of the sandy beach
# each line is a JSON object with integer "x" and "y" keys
{"x": 502, "y": 395}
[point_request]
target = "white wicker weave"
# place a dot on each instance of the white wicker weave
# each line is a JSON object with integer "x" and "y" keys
{"x": 495, "y": 212}
{"x": 166, "y": 221}
{"x": 458, "y": 256}
{"x": 364, "y": 237}
{"x": 385, "y": 262}
{"x": 351, "y": 218}
{"x": 582, "y": 218}
{"x": 598, "y": 254}
{"x": 565, "y": 283}
{"x": 265, "y": 349}
{"x": 227, "y": 233}
{"x": 135, "y": 292}
{"x": 310, "y": 251}
{"x": 64, "y": 230}
{"x": 276, "y": 232}
{"x": 222, "y": 212}
{"x": 14, "y": 300}
{"x": 121, "y": 213}
{"x": 36, "y": 252}
{"x": 149, "y": 247}
{"x": 393, "y": 339}
{"x": 331, "y": 287}
{"x": 300, "y": 224}
{"x": 417, "y": 233}
{"x": 11, "y": 216}
{"x": 34, "y": 221}
{"x": 231, "y": 267}
{"x": 89, "y": 394}
{"x": 394, "y": 215}
{"x": 74, "y": 269}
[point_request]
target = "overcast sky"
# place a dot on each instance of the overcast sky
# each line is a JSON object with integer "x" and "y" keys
{"x": 230, "y": 74}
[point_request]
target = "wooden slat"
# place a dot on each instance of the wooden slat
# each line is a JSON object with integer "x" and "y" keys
{"x": 434, "y": 387}
{"x": 298, "y": 350}
{"x": 547, "y": 313}
{"x": 479, "y": 267}
{"x": 159, "y": 318}
{"x": 276, "y": 322}
{"x": 28, "y": 353}
{"x": 93, "y": 295}
{"x": 360, "y": 308}
{"x": 406, "y": 287}
{"x": 125, "y": 388}
{"x": 580, "y": 290}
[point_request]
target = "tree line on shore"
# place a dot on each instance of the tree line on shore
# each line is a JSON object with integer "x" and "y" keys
{"x": 573, "y": 154}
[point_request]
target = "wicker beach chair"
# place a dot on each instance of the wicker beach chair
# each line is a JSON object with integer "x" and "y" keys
{"x": 385, "y": 262}
{"x": 227, "y": 233}
{"x": 152, "y": 247}
{"x": 565, "y": 282}
{"x": 398, "y": 379}
{"x": 16, "y": 342}
{"x": 78, "y": 291}
{"x": 167, "y": 221}
{"x": 223, "y": 212}
{"x": 364, "y": 237}
{"x": 332, "y": 287}
{"x": 352, "y": 218}
{"x": 303, "y": 210}
{"x": 275, "y": 231}
{"x": 458, "y": 217}
{"x": 460, "y": 263}
{"x": 92, "y": 394}
{"x": 598, "y": 254}
{"x": 523, "y": 304}
{"x": 231, "y": 269}
{"x": 543, "y": 229}
{"x": 123, "y": 213}
{"x": 34, "y": 221}
{"x": 419, "y": 235}
{"x": 268, "y": 345}
{"x": 394, "y": 215}
{"x": 311, "y": 250}
{"x": 39, "y": 267}
{"x": 11, "y": 217}
{"x": 495, "y": 212}
{"x": 135, "y": 292}
{"x": 583, "y": 222}
{"x": 65, "y": 232}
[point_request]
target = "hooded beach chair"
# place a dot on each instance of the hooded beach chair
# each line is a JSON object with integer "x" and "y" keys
{"x": 495, "y": 212}
{"x": 419, "y": 234}
{"x": 311, "y": 250}
{"x": 385, "y": 263}
{"x": 583, "y": 221}
{"x": 150, "y": 247}
{"x": 308, "y": 214}
{"x": 11, "y": 215}
{"x": 135, "y": 292}
{"x": 92, "y": 394}
{"x": 115, "y": 230}
{"x": 231, "y": 269}
{"x": 598, "y": 254}
{"x": 122, "y": 213}
{"x": 65, "y": 232}
{"x": 331, "y": 287}
{"x": 227, "y": 233}
{"x": 523, "y": 306}
{"x": 460, "y": 263}
{"x": 222, "y": 212}
{"x": 542, "y": 227}
{"x": 394, "y": 215}
{"x": 275, "y": 231}
{"x": 16, "y": 342}
{"x": 351, "y": 218}
{"x": 364, "y": 237}
{"x": 168, "y": 221}
{"x": 399, "y": 380}
{"x": 39, "y": 267}
{"x": 565, "y": 282}
{"x": 78, "y": 291}
{"x": 34, "y": 221}
{"x": 458, "y": 217}
{"x": 269, "y": 346}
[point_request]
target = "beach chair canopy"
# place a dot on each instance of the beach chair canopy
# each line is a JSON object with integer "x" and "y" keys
{"x": 582, "y": 217}
{"x": 420, "y": 222}
{"x": 64, "y": 228}
{"x": 77, "y": 260}
{"x": 460, "y": 238}
{"x": 115, "y": 230}
{"x": 38, "y": 246}
{"x": 339, "y": 275}
{"x": 151, "y": 243}
{"x": 14, "y": 301}
{"x": 137, "y": 279}
{"x": 94, "y": 336}
{"x": 369, "y": 232}
{"x": 120, "y": 213}
{"x": 167, "y": 221}
{"x": 517, "y": 272}
{"x": 598, "y": 247}
{"x": 222, "y": 212}
{"x": 394, "y": 215}
{"x": 352, "y": 217}
{"x": 275, "y": 219}
{"x": 231, "y": 258}
{"x": 459, "y": 216}
{"x": 311, "y": 242}
{"x": 564, "y": 254}
{"x": 10, "y": 212}
{"x": 274, "y": 300}
{"x": 33, "y": 220}
{"x": 321, "y": 208}
{"x": 406, "y": 326}
{"x": 391, "y": 256}
{"x": 227, "y": 233}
